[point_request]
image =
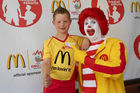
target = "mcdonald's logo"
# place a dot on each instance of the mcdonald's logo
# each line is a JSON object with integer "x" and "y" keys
{"x": 15, "y": 59}
{"x": 104, "y": 57}
{"x": 62, "y": 57}
{"x": 57, "y": 4}
{"x": 136, "y": 6}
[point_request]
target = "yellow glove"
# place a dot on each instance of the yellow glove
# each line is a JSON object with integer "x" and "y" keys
{"x": 79, "y": 55}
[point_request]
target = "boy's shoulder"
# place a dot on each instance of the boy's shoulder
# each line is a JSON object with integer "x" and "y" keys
{"x": 48, "y": 40}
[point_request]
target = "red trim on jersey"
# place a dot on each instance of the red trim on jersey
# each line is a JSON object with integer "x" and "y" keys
{"x": 106, "y": 69}
{"x": 61, "y": 40}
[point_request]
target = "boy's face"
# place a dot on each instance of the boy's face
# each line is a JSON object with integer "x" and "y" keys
{"x": 62, "y": 23}
{"x": 92, "y": 29}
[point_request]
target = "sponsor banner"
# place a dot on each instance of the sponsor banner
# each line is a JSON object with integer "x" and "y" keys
{"x": 113, "y": 9}
{"x": 20, "y": 13}
{"x": 15, "y": 59}
{"x": 20, "y": 66}
{"x": 73, "y": 6}
{"x": 25, "y": 24}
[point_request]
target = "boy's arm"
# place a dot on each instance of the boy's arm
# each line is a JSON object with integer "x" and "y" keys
{"x": 85, "y": 44}
{"x": 46, "y": 72}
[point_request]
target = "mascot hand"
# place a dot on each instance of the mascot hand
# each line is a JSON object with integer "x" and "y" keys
{"x": 78, "y": 54}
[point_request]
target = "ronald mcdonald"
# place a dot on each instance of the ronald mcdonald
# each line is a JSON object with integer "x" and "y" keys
{"x": 101, "y": 67}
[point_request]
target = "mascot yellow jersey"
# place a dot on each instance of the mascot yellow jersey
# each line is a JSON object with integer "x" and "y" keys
{"x": 108, "y": 65}
{"x": 61, "y": 54}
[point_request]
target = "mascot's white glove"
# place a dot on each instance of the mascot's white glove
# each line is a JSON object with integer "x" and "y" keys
{"x": 79, "y": 55}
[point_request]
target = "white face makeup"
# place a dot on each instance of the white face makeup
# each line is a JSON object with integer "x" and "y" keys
{"x": 92, "y": 29}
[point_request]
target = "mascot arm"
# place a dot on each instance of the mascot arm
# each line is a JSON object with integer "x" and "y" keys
{"x": 114, "y": 66}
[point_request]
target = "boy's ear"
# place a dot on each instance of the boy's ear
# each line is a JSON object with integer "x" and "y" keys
{"x": 70, "y": 21}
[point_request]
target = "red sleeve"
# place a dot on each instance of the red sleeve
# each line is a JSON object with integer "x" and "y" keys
{"x": 106, "y": 69}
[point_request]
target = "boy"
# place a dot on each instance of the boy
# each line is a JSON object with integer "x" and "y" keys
{"x": 58, "y": 67}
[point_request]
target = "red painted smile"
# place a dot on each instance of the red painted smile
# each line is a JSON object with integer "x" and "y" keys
{"x": 90, "y": 32}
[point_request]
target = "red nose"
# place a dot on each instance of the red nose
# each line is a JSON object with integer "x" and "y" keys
{"x": 89, "y": 26}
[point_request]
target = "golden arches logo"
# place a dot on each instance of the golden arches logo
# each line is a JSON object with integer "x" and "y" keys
{"x": 104, "y": 57}
{"x": 63, "y": 57}
{"x": 136, "y": 6}
{"x": 15, "y": 59}
{"x": 57, "y": 4}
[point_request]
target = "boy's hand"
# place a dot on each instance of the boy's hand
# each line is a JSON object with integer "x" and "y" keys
{"x": 78, "y": 54}
{"x": 85, "y": 44}
{"x": 47, "y": 81}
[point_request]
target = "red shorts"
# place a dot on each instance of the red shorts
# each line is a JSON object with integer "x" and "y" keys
{"x": 58, "y": 86}
{"x": 62, "y": 86}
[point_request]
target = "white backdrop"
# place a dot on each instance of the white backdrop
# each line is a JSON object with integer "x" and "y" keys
{"x": 24, "y": 35}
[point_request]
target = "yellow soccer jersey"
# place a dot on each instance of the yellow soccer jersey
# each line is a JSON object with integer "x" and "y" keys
{"x": 61, "y": 54}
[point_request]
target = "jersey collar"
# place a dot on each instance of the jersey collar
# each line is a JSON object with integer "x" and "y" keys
{"x": 61, "y": 40}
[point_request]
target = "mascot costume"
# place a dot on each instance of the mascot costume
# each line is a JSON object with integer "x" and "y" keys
{"x": 101, "y": 67}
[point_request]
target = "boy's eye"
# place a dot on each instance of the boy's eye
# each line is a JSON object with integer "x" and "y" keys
{"x": 65, "y": 21}
{"x": 59, "y": 22}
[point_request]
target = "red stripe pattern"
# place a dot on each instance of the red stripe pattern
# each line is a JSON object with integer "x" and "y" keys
{"x": 88, "y": 76}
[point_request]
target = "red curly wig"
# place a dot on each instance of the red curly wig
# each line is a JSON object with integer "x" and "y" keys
{"x": 98, "y": 15}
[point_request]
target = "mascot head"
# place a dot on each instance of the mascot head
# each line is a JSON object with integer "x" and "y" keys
{"x": 96, "y": 14}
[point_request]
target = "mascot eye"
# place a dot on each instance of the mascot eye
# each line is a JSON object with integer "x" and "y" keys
{"x": 93, "y": 22}
{"x": 86, "y": 23}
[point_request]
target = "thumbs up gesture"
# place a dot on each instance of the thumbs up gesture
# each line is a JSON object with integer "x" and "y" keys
{"x": 79, "y": 55}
